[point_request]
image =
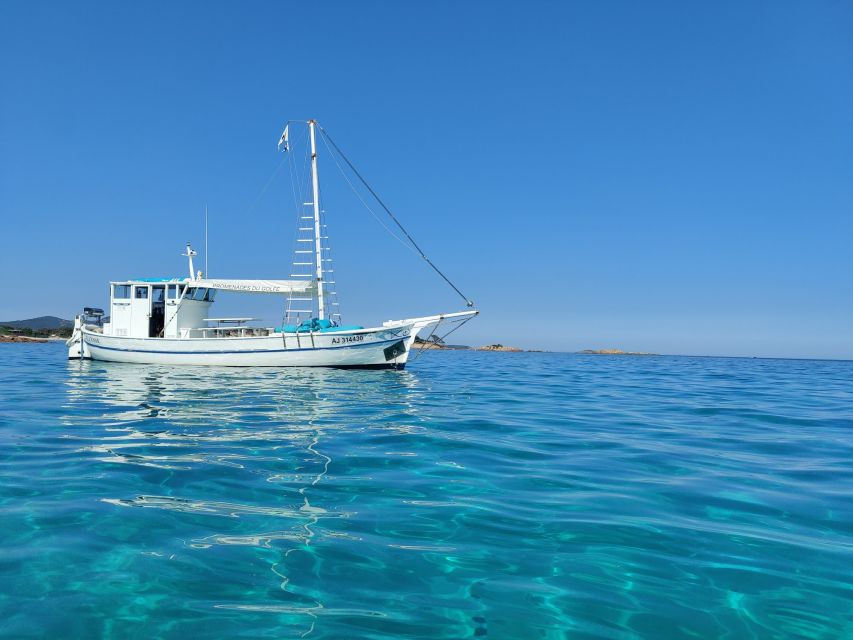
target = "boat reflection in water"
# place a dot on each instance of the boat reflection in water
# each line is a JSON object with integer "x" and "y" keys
{"x": 234, "y": 466}
{"x": 216, "y": 397}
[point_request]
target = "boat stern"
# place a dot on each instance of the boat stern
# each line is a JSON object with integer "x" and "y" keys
{"x": 75, "y": 342}
{"x": 77, "y": 347}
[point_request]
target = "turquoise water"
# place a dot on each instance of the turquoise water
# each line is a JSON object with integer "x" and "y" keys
{"x": 472, "y": 495}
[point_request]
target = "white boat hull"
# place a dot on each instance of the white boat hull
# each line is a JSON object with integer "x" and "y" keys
{"x": 385, "y": 347}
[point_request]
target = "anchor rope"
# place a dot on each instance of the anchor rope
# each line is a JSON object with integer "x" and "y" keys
{"x": 326, "y": 135}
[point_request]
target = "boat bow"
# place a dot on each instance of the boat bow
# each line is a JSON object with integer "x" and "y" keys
{"x": 419, "y": 324}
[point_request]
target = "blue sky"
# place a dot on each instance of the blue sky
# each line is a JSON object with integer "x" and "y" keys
{"x": 659, "y": 176}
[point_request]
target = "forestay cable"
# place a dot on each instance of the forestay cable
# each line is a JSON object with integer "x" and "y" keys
{"x": 325, "y": 134}
{"x": 362, "y": 201}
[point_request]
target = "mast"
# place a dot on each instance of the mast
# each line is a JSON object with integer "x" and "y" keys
{"x": 318, "y": 249}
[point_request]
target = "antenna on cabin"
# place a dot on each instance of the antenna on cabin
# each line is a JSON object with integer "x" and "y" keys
{"x": 206, "y": 274}
{"x": 189, "y": 254}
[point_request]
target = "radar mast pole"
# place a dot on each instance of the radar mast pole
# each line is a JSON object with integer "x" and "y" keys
{"x": 318, "y": 249}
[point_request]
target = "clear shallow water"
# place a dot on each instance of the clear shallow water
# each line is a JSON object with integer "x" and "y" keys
{"x": 473, "y": 495}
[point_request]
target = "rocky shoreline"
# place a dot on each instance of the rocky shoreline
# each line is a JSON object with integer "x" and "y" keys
{"x": 498, "y": 347}
{"x": 438, "y": 346}
{"x": 13, "y": 338}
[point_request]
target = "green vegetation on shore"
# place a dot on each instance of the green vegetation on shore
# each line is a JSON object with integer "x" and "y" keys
{"x": 39, "y": 328}
{"x": 29, "y": 332}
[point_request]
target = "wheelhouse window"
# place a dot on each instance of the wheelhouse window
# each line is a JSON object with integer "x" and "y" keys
{"x": 121, "y": 291}
{"x": 202, "y": 294}
{"x": 140, "y": 293}
{"x": 172, "y": 292}
{"x": 158, "y": 293}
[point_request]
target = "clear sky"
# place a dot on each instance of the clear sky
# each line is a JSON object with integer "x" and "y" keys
{"x": 674, "y": 177}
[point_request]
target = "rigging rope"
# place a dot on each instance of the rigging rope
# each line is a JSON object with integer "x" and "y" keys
{"x": 362, "y": 201}
{"x": 426, "y": 345}
{"x": 325, "y": 134}
{"x": 263, "y": 190}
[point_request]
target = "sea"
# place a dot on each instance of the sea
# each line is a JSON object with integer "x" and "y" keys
{"x": 473, "y": 495}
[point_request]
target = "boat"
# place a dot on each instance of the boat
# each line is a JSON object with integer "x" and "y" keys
{"x": 169, "y": 321}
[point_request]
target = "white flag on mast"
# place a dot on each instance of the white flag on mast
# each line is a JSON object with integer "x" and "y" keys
{"x": 283, "y": 142}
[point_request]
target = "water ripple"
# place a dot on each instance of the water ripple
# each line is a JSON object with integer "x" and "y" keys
{"x": 478, "y": 494}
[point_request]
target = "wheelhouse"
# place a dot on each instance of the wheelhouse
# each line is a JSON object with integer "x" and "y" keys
{"x": 179, "y": 307}
{"x": 157, "y": 307}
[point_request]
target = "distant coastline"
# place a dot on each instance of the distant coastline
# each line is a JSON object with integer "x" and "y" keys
{"x": 35, "y": 330}
{"x": 613, "y": 352}
{"x": 5, "y": 338}
{"x": 438, "y": 345}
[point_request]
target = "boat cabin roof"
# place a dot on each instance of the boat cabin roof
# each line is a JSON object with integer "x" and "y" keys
{"x": 244, "y": 286}
{"x": 152, "y": 281}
